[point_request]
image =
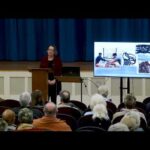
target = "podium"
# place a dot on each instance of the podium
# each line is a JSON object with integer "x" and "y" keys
{"x": 70, "y": 79}
{"x": 40, "y": 80}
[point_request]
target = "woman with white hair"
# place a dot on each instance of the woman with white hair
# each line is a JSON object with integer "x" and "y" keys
{"x": 100, "y": 116}
{"x": 118, "y": 127}
{"x": 132, "y": 120}
{"x": 103, "y": 90}
{"x": 95, "y": 99}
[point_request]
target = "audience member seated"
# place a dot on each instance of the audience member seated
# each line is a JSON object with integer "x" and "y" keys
{"x": 103, "y": 90}
{"x": 25, "y": 118}
{"x": 100, "y": 116}
{"x": 65, "y": 100}
{"x": 130, "y": 102}
{"x": 118, "y": 127}
{"x": 9, "y": 116}
{"x": 50, "y": 121}
{"x": 3, "y": 125}
{"x": 37, "y": 99}
{"x": 25, "y": 99}
{"x": 132, "y": 120}
{"x": 95, "y": 99}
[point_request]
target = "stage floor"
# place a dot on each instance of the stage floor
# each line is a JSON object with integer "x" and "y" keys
{"x": 26, "y": 65}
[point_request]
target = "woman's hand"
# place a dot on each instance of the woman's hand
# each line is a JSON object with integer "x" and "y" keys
{"x": 51, "y": 82}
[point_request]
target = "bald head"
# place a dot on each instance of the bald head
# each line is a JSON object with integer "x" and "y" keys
{"x": 9, "y": 116}
{"x": 50, "y": 109}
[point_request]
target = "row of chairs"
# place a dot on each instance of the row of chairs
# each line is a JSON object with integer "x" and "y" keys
{"x": 11, "y": 103}
{"x": 84, "y": 121}
{"x": 15, "y": 103}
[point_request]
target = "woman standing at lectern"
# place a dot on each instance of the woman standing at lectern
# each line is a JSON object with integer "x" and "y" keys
{"x": 52, "y": 61}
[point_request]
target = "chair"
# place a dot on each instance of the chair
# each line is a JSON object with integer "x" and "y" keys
{"x": 146, "y": 100}
{"x": 79, "y": 104}
{"x": 90, "y": 129}
{"x": 110, "y": 113}
{"x": 120, "y": 106}
{"x": 117, "y": 119}
{"x": 37, "y": 113}
{"x": 10, "y": 103}
{"x": 70, "y": 111}
{"x": 111, "y": 106}
{"x": 88, "y": 121}
{"x": 71, "y": 121}
{"x": 143, "y": 124}
{"x": 142, "y": 111}
{"x": 85, "y": 121}
{"x": 138, "y": 105}
{"x": 2, "y": 109}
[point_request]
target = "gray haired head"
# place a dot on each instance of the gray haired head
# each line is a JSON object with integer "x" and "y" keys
{"x": 25, "y": 115}
{"x": 118, "y": 127}
{"x": 25, "y": 99}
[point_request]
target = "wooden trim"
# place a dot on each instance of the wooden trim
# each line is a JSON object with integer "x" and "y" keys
{"x": 27, "y": 65}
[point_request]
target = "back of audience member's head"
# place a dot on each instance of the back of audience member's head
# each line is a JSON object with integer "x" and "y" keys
{"x": 130, "y": 101}
{"x": 65, "y": 96}
{"x": 97, "y": 99}
{"x": 9, "y": 116}
{"x": 50, "y": 109}
{"x": 132, "y": 120}
{"x": 103, "y": 90}
{"x": 118, "y": 127}
{"x": 3, "y": 125}
{"x": 36, "y": 97}
{"x": 25, "y": 115}
{"x": 100, "y": 111}
{"x": 25, "y": 99}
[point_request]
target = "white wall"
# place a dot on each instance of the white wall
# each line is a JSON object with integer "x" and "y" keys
{"x": 12, "y": 83}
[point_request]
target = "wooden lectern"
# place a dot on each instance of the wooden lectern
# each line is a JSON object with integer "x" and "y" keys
{"x": 40, "y": 81}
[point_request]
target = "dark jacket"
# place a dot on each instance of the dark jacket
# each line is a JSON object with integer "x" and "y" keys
{"x": 57, "y": 65}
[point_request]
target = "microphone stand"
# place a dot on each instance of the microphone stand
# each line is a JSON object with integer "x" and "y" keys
{"x": 92, "y": 82}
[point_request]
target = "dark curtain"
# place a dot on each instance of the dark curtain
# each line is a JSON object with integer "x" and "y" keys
{"x": 28, "y": 39}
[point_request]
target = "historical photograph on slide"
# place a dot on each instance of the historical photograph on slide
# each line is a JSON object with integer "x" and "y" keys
{"x": 122, "y": 59}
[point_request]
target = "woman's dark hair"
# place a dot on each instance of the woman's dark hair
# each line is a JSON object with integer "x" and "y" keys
{"x": 36, "y": 97}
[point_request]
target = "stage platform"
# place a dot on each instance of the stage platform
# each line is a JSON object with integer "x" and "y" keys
{"x": 26, "y": 65}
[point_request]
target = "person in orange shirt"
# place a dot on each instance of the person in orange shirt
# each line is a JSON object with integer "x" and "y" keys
{"x": 49, "y": 121}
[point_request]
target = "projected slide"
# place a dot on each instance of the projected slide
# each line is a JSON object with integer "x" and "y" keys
{"x": 122, "y": 59}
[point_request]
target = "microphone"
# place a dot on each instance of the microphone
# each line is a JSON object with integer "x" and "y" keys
{"x": 84, "y": 84}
